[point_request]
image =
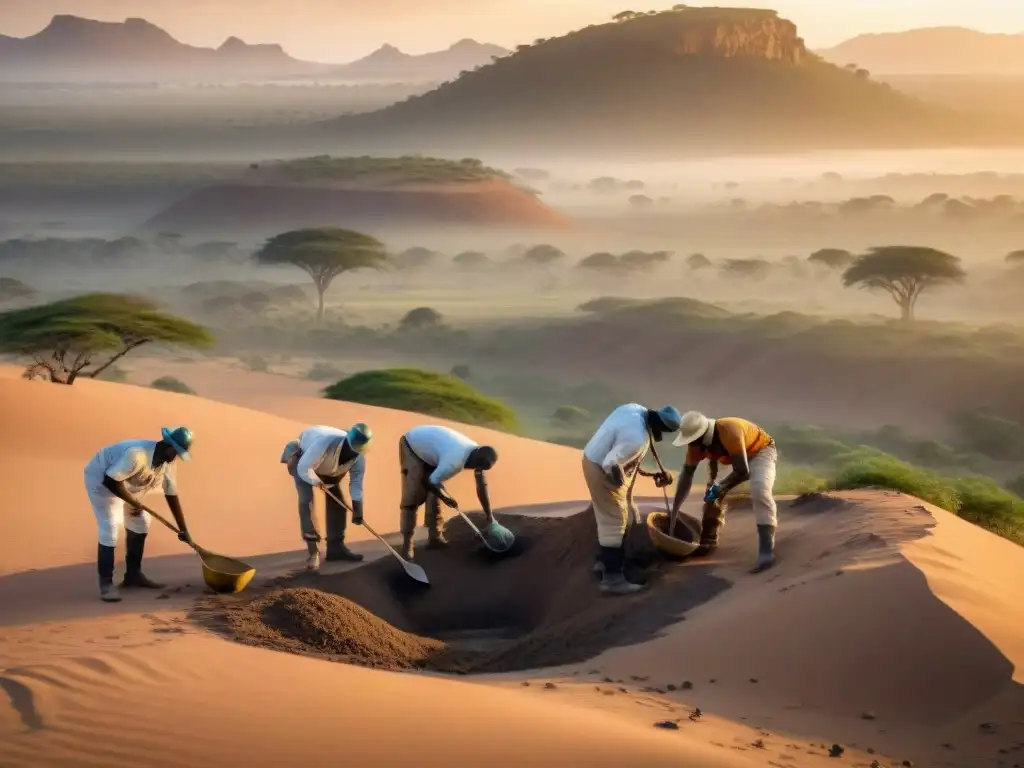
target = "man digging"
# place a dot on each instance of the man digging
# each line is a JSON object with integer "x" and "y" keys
{"x": 115, "y": 477}
{"x": 751, "y": 452}
{"x": 428, "y": 456}
{"x": 321, "y": 458}
{"x": 611, "y": 462}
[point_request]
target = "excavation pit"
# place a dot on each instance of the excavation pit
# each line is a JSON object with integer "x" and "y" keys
{"x": 536, "y": 606}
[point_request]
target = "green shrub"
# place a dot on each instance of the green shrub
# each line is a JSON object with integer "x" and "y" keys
{"x": 871, "y": 468}
{"x": 570, "y": 416}
{"x": 426, "y": 392}
{"x": 171, "y": 384}
{"x": 984, "y": 503}
{"x": 1016, "y": 485}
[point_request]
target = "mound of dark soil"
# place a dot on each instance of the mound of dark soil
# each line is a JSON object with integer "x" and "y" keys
{"x": 539, "y": 606}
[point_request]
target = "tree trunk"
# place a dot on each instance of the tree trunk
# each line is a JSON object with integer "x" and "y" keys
{"x": 907, "y": 310}
{"x": 320, "y": 304}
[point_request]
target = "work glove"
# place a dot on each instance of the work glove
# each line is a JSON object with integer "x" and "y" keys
{"x": 185, "y": 537}
{"x": 448, "y": 501}
{"x": 663, "y": 480}
{"x": 713, "y": 493}
{"x": 357, "y": 512}
{"x": 618, "y": 477}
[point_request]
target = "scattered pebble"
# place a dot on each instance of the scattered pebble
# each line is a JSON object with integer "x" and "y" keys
{"x": 988, "y": 727}
{"x": 867, "y": 715}
{"x": 594, "y": 672}
{"x": 638, "y": 679}
{"x": 759, "y": 744}
{"x": 671, "y": 686}
{"x": 688, "y": 686}
{"x": 607, "y": 680}
{"x": 754, "y": 680}
{"x": 836, "y": 751}
{"x": 712, "y": 681}
{"x": 668, "y": 725}
{"x": 908, "y": 764}
{"x": 550, "y": 686}
{"x": 527, "y": 683}
{"x": 696, "y": 714}
{"x": 623, "y": 690}
{"x": 947, "y": 745}
{"x": 609, "y": 693}
{"x": 871, "y": 750}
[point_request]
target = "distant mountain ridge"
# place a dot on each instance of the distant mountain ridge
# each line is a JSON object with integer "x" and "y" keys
{"x": 390, "y": 63}
{"x": 692, "y": 78}
{"x": 932, "y": 51}
{"x": 72, "y": 48}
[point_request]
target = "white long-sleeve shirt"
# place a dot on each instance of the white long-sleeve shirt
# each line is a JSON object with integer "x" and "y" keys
{"x": 314, "y": 443}
{"x": 130, "y": 462}
{"x": 621, "y": 439}
{"x": 441, "y": 447}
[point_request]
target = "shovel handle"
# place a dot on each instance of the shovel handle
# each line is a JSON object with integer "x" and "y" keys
{"x": 170, "y": 525}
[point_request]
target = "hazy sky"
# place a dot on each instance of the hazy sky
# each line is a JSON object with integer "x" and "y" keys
{"x": 341, "y": 30}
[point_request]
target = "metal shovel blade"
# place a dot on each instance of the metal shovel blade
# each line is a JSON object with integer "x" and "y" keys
{"x": 412, "y": 569}
{"x": 415, "y": 571}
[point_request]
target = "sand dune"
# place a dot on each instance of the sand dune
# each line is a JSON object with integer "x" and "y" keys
{"x": 237, "y": 497}
{"x": 887, "y": 624}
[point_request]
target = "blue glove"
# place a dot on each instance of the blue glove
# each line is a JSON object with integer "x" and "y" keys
{"x": 713, "y": 493}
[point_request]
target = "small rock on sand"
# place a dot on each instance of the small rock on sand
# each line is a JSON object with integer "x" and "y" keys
{"x": 867, "y": 715}
{"x": 836, "y": 751}
{"x": 668, "y": 725}
{"x": 550, "y": 686}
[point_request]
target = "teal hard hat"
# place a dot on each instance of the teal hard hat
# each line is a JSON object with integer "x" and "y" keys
{"x": 180, "y": 439}
{"x": 359, "y": 437}
{"x": 670, "y": 417}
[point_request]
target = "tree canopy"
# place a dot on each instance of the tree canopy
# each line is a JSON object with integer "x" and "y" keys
{"x": 84, "y": 335}
{"x": 420, "y": 318}
{"x": 904, "y": 272}
{"x": 833, "y": 258}
{"x": 324, "y": 254}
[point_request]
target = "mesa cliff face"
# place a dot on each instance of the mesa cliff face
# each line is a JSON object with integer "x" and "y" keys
{"x": 721, "y": 32}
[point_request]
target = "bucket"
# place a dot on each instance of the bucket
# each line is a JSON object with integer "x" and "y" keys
{"x": 686, "y": 538}
{"x": 225, "y": 574}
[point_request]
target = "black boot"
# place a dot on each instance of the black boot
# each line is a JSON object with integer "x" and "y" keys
{"x": 613, "y": 581}
{"x": 105, "y": 557}
{"x": 765, "y": 548}
{"x": 434, "y": 521}
{"x": 337, "y": 551}
{"x": 134, "y": 546}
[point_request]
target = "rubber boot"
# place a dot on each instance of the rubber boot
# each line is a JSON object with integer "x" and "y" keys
{"x": 337, "y": 551}
{"x": 313, "y": 560}
{"x": 105, "y": 557}
{"x": 711, "y": 522}
{"x": 408, "y": 551}
{"x": 435, "y": 524}
{"x": 598, "y": 564}
{"x": 135, "y": 546}
{"x": 613, "y": 581}
{"x": 765, "y": 548}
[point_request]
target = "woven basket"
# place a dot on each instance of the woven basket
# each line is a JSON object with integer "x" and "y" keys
{"x": 687, "y": 534}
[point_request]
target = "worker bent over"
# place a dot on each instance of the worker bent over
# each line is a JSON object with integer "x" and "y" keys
{"x": 611, "y": 462}
{"x": 430, "y": 455}
{"x": 116, "y": 476}
{"x": 751, "y": 452}
{"x": 321, "y": 458}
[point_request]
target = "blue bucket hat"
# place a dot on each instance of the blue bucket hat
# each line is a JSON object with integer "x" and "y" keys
{"x": 670, "y": 417}
{"x": 359, "y": 437}
{"x": 180, "y": 439}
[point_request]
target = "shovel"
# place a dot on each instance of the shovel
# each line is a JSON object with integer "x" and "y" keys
{"x": 221, "y": 573}
{"x": 485, "y": 539}
{"x": 413, "y": 570}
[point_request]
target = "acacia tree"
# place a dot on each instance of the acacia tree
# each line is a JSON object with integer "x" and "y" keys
{"x": 904, "y": 272}
{"x": 471, "y": 260}
{"x": 421, "y": 318}
{"x": 85, "y": 335}
{"x": 324, "y": 254}
{"x": 601, "y": 261}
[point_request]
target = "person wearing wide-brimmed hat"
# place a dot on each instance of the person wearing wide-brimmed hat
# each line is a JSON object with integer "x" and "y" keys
{"x": 752, "y": 454}
{"x": 322, "y": 457}
{"x": 611, "y": 462}
{"x": 116, "y": 476}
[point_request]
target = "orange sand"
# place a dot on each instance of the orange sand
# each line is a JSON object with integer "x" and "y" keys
{"x": 880, "y": 605}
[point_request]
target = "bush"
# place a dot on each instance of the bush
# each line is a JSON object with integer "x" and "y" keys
{"x": 171, "y": 384}
{"x": 426, "y": 392}
{"x": 1017, "y": 485}
{"x": 324, "y": 372}
{"x": 114, "y": 373}
{"x": 461, "y": 372}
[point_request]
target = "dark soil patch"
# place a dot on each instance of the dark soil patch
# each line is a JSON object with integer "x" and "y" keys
{"x": 539, "y": 606}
